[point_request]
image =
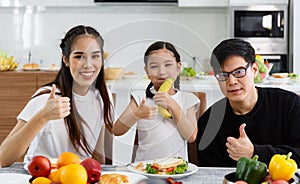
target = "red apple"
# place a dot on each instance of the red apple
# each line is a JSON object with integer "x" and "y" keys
{"x": 39, "y": 166}
{"x": 280, "y": 182}
{"x": 240, "y": 182}
{"x": 268, "y": 178}
{"x": 93, "y": 169}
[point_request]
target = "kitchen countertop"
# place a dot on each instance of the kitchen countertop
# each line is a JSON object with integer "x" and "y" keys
{"x": 205, "y": 175}
{"x": 204, "y": 83}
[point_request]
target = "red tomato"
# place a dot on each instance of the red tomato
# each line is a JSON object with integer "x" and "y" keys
{"x": 170, "y": 169}
{"x": 170, "y": 180}
{"x": 154, "y": 167}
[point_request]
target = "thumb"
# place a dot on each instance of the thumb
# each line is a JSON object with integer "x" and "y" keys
{"x": 143, "y": 102}
{"x": 52, "y": 93}
{"x": 242, "y": 131}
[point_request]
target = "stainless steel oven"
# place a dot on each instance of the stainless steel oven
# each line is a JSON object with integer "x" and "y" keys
{"x": 266, "y": 28}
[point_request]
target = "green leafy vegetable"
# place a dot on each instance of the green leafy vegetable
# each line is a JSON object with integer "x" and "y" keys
{"x": 188, "y": 71}
{"x": 292, "y": 75}
{"x": 150, "y": 170}
{"x": 179, "y": 169}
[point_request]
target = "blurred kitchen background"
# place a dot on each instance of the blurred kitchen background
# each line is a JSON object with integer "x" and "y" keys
{"x": 194, "y": 26}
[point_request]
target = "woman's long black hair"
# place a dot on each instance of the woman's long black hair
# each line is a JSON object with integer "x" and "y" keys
{"x": 157, "y": 46}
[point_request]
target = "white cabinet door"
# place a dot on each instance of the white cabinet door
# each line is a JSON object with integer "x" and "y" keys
{"x": 58, "y": 3}
{"x": 202, "y": 3}
{"x": 256, "y": 2}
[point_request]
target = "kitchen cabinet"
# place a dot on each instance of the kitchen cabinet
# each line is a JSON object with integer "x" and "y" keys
{"x": 16, "y": 88}
{"x": 48, "y": 3}
{"x": 202, "y": 3}
{"x": 256, "y": 2}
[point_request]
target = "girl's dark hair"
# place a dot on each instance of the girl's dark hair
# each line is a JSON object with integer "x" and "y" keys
{"x": 64, "y": 81}
{"x": 231, "y": 47}
{"x": 156, "y": 46}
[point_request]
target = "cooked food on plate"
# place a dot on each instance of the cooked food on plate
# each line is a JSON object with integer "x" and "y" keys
{"x": 280, "y": 75}
{"x": 53, "y": 66}
{"x": 130, "y": 73}
{"x": 31, "y": 66}
{"x": 167, "y": 166}
{"x": 114, "y": 178}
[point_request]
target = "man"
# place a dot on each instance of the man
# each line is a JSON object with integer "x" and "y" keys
{"x": 250, "y": 120}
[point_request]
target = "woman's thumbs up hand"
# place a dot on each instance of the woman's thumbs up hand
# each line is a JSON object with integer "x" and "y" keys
{"x": 52, "y": 93}
{"x": 56, "y": 107}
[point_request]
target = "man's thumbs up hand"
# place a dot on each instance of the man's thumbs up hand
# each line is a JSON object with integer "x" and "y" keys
{"x": 241, "y": 147}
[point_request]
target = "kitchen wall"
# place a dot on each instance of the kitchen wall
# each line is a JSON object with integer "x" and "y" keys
{"x": 127, "y": 31}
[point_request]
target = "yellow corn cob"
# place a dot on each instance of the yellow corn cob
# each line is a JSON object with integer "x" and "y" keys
{"x": 165, "y": 87}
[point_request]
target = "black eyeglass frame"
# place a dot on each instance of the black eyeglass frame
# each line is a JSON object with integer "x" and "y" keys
{"x": 234, "y": 73}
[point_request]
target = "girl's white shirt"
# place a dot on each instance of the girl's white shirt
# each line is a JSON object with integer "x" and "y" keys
{"x": 53, "y": 138}
{"x": 159, "y": 137}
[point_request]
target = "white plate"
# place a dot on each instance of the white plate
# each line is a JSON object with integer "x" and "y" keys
{"x": 191, "y": 170}
{"x": 133, "y": 177}
{"x": 130, "y": 76}
{"x": 30, "y": 69}
{"x": 278, "y": 80}
{"x": 50, "y": 69}
{"x": 14, "y": 178}
{"x": 201, "y": 76}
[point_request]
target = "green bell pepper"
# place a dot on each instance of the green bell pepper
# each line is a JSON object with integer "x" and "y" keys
{"x": 250, "y": 170}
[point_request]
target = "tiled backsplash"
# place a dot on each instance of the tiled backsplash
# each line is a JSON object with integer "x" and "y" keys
{"x": 127, "y": 31}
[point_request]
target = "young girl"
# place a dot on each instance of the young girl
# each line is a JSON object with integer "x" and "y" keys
{"x": 70, "y": 115}
{"x": 159, "y": 137}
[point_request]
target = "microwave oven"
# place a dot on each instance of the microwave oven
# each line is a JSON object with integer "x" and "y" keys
{"x": 263, "y": 25}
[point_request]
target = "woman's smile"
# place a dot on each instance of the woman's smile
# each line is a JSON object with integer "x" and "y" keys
{"x": 87, "y": 74}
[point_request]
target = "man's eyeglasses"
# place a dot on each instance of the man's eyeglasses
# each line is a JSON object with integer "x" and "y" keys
{"x": 238, "y": 73}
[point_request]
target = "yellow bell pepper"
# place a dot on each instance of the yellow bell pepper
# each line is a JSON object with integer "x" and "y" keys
{"x": 282, "y": 167}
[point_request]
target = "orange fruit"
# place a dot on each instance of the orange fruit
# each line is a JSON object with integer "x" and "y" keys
{"x": 73, "y": 174}
{"x": 54, "y": 176}
{"x": 67, "y": 158}
{"x": 41, "y": 180}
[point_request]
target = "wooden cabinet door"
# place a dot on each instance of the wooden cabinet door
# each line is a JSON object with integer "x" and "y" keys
{"x": 15, "y": 91}
{"x": 44, "y": 78}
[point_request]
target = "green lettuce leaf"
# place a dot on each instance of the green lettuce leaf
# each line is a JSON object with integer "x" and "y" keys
{"x": 150, "y": 170}
{"x": 179, "y": 169}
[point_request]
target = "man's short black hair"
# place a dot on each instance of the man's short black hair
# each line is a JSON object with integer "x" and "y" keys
{"x": 231, "y": 47}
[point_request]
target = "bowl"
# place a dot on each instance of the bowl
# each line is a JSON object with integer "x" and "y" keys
{"x": 113, "y": 73}
{"x": 230, "y": 179}
{"x": 186, "y": 78}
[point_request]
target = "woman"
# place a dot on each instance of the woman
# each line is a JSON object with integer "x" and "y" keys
{"x": 69, "y": 116}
